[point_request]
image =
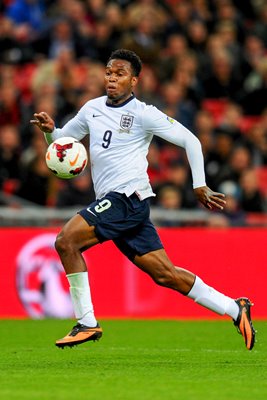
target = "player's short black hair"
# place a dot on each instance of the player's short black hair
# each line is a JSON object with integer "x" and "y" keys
{"x": 128, "y": 55}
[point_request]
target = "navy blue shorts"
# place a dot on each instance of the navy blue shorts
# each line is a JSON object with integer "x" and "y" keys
{"x": 125, "y": 220}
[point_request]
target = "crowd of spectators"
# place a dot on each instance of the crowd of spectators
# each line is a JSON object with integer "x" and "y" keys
{"x": 204, "y": 64}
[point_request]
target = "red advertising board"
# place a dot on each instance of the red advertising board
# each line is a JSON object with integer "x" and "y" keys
{"x": 33, "y": 283}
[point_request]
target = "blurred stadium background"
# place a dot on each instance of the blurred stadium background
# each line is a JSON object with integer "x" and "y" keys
{"x": 205, "y": 64}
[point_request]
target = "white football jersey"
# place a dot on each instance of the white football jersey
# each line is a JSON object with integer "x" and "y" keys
{"x": 119, "y": 141}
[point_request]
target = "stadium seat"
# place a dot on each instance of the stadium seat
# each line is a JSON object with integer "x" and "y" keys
{"x": 256, "y": 219}
{"x": 248, "y": 121}
{"x": 216, "y": 107}
{"x": 23, "y": 80}
{"x": 261, "y": 173}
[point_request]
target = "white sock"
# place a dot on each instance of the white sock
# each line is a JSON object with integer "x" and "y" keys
{"x": 81, "y": 298}
{"x": 212, "y": 299}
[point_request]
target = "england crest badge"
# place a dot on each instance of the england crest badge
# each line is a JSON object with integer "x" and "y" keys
{"x": 126, "y": 123}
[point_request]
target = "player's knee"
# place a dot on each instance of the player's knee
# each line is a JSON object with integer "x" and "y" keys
{"x": 164, "y": 278}
{"x": 62, "y": 245}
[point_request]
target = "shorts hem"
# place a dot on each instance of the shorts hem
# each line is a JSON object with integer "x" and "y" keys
{"x": 91, "y": 222}
{"x": 149, "y": 251}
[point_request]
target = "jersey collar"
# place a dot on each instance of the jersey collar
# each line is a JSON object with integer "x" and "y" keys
{"x": 122, "y": 104}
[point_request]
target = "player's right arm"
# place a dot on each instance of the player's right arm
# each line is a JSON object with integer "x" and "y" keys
{"x": 75, "y": 127}
{"x": 45, "y": 123}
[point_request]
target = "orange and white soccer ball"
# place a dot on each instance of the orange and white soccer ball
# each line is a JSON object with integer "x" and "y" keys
{"x": 66, "y": 157}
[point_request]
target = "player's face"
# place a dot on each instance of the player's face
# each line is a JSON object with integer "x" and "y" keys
{"x": 119, "y": 81}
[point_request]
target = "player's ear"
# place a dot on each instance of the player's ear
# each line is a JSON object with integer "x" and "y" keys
{"x": 134, "y": 81}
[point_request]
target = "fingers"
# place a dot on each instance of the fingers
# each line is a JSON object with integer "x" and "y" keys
{"x": 215, "y": 201}
{"x": 35, "y": 122}
{"x": 211, "y": 200}
{"x": 40, "y": 118}
{"x": 43, "y": 121}
{"x": 217, "y": 194}
{"x": 208, "y": 205}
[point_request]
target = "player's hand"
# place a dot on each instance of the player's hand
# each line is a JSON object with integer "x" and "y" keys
{"x": 43, "y": 121}
{"x": 211, "y": 200}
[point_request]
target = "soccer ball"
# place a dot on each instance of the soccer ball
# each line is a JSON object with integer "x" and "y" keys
{"x": 66, "y": 157}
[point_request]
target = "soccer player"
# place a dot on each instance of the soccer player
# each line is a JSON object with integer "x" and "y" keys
{"x": 121, "y": 128}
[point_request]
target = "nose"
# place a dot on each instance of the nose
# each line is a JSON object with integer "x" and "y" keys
{"x": 112, "y": 78}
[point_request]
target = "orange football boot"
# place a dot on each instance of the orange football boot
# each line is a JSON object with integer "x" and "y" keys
{"x": 243, "y": 323}
{"x": 80, "y": 334}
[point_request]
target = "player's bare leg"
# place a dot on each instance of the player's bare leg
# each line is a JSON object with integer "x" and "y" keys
{"x": 164, "y": 273}
{"x": 158, "y": 265}
{"x": 75, "y": 237}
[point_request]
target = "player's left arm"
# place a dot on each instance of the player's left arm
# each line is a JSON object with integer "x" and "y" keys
{"x": 210, "y": 199}
{"x": 171, "y": 130}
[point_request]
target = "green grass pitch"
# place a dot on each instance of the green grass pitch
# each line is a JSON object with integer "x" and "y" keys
{"x": 135, "y": 359}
